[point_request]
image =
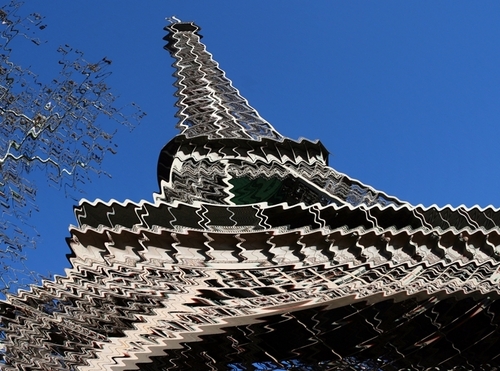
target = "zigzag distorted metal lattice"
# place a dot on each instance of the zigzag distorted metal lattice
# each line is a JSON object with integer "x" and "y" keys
{"x": 255, "y": 254}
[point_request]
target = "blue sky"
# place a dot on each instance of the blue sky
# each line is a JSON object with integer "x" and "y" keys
{"x": 405, "y": 95}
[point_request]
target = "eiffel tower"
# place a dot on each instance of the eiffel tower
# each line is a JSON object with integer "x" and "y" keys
{"x": 256, "y": 255}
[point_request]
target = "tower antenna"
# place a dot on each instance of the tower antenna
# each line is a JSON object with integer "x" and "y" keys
{"x": 173, "y": 19}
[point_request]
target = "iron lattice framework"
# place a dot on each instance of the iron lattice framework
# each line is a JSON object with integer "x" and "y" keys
{"x": 256, "y": 250}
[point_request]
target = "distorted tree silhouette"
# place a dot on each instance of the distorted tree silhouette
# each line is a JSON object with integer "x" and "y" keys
{"x": 49, "y": 126}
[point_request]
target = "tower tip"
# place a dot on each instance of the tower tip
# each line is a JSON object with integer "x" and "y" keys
{"x": 173, "y": 19}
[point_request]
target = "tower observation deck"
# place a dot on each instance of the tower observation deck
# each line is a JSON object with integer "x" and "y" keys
{"x": 255, "y": 254}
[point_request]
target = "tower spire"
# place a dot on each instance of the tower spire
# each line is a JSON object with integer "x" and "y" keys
{"x": 208, "y": 103}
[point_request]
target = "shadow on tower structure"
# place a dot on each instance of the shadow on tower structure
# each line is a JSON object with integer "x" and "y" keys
{"x": 256, "y": 254}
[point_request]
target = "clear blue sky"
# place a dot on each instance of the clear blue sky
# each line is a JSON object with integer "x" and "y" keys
{"x": 404, "y": 94}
